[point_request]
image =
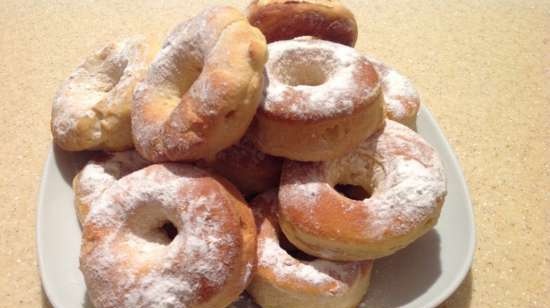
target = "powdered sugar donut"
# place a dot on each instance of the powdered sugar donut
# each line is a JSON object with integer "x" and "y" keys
{"x": 203, "y": 88}
{"x": 286, "y": 19}
{"x": 282, "y": 281}
{"x": 322, "y": 100}
{"x": 246, "y": 167}
{"x": 101, "y": 173}
{"x": 91, "y": 110}
{"x": 205, "y": 260}
{"x": 401, "y": 100}
{"x": 400, "y": 170}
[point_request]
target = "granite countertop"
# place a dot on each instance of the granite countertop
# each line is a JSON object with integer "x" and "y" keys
{"x": 482, "y": 67}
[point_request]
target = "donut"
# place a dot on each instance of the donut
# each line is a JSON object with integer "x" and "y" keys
{"x": 202, "y": 90}
{"x": 246, "y": 167}
{"x": 91, "y": 110}
{"x": 322, "y": 100}
{"x": 168, "y": 235}
{"x": 401, "y": 100}
{"x": 283, "y": 281}
{"x": 101, "y": 173}
{"x": 406, "y": 182}
{"x": 285, "y": 19}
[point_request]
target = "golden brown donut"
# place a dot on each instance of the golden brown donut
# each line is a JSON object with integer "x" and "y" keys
{"x": 246, "y": 167}
{"x": 202, "y": 90}
{"x": 282, "y": 281}
{"x": 322, "y": 100}
{"x": 101, "y": 173}
{"x": 401, "y": 100}
{"x": 400, "y": 170}
{"x": 91, "y": 110}
{"x": 168, "y": 235}
{"x": 287, "y": 19}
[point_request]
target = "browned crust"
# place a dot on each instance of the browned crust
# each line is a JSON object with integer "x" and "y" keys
{"x": 212, "y": 111}
{"x": 241, "y": 255}
{"x": 283, "y": 20}
{"x": 340, "y": 228}
{"x": 268, "y": 287}
{"x": 249, "y": 169}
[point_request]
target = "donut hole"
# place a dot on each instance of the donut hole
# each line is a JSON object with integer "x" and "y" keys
{"x": 169, "y": 230}
{"x": 161, "y": 233}
{"x": 303, "y": 67}
{"x": 354, "y": 192}
{"x": 304, "y": 75}
{"x": 189, "y": 70}
{"x": 150, "y": 226}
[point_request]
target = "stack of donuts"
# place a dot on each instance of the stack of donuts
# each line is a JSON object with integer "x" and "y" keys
{"x": 256, "y": 151}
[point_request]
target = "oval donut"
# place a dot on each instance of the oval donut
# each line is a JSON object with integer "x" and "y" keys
{"x": 322, "y": 100}
{"x": 128, "y": 261}
{"x": 401, "y": 99}
{"x": 203, "y": 88}
{"x": 407, "y": 183}
{"x": 282, "y": 281}
{"x": 287, "y": 19}
{"x": 91, "y": 110}
{"x": 101, "y": 173}
{"x": 250, "y": 170}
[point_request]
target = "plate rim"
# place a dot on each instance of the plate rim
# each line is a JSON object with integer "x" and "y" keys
{"x": 455, "y": 163}
{"x": 437, "y": 300}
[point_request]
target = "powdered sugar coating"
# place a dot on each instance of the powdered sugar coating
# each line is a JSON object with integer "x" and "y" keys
{"x": 101, "y": 173}
{"x": 319, "y": 273}
{"x": 401, "y": 170}
{"x": 127, "y": 262}
{"x": 209, "y": 66}
{"x": 188, "y": 41}
{"x": 104, "y": 78}
{"x": 284, "y": 272}
{"x": 312, "y": 79}
{"x": 401, "y": 99}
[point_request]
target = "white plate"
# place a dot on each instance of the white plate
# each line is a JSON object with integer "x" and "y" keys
{"x": 421, "y": 275}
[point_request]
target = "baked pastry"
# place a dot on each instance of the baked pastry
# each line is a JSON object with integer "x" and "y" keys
{"x": 401, "y": 100}
{"x": 168, "y": 235}
{"x": 283, "y": 281}
{"x": 406, "y": 181}
{"x": 287, "y": 19}
{"x": 322, "y": 100}
{"x": 91, "y": 110}
{"x": 246, "y": 167}
{"x": 202, "y": 90}
{"x": 101, "y": 173}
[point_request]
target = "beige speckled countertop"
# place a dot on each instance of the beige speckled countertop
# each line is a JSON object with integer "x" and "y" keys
{"x": 482, "y": 67}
